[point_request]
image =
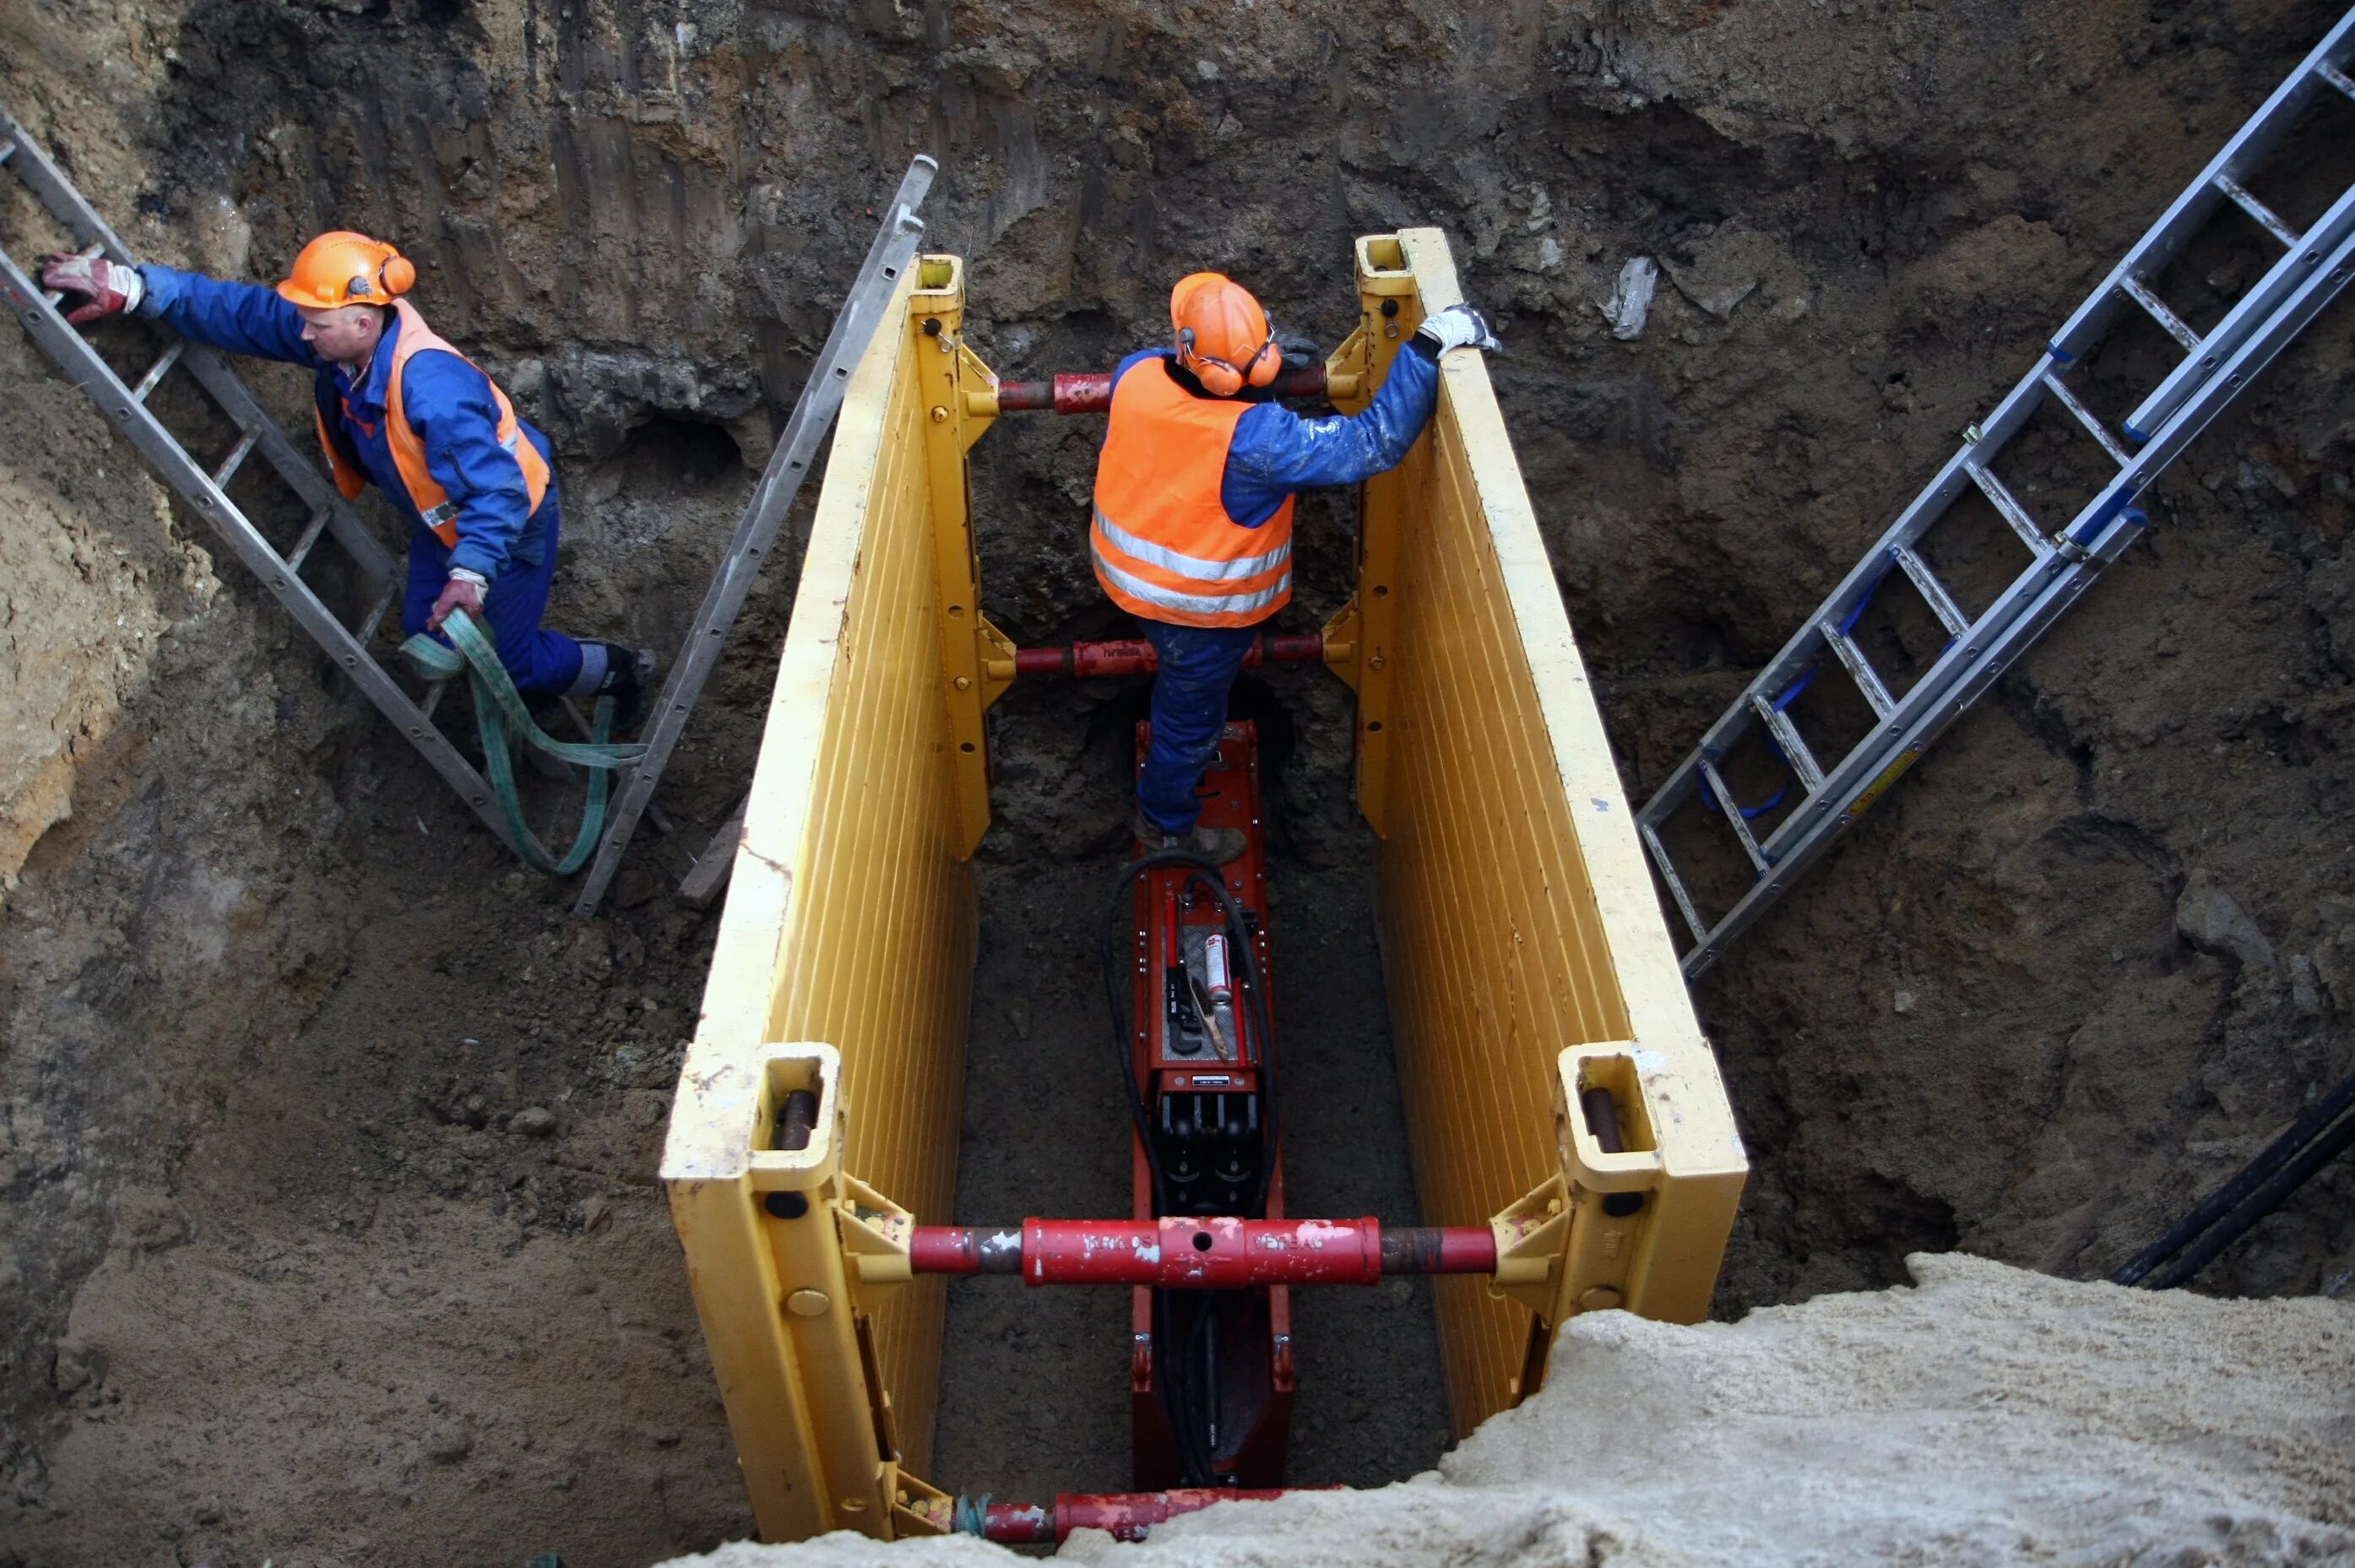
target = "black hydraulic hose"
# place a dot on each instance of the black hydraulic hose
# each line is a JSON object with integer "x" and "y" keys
{"x": 2292, "y": 1176}
{"x": 2302, "y": 1132}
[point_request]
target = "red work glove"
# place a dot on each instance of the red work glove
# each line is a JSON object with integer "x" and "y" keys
{"x": 458, "y": 593}
{"x": 110, "y": 286}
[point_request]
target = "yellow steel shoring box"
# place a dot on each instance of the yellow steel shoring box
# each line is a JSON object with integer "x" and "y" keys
{"x": 849, "y": 923}
{"x": 1556, "y": 1082}
{"x": 1526, "y": 957}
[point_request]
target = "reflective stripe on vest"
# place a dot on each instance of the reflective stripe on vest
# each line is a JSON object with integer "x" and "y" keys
{"x": 426, "y": 493}
{"x": 1163, "y": 544}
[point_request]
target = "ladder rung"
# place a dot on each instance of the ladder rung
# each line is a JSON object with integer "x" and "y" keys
{"x": 2336, "y": 77}
{"x": 311, "y": 532}
{"x": 366, "y": 633}
{"x": 235, "y": 460}
{"x": 2258, "y": 211}
{"x": 2013, "y": 512}
{"x": 1934, "y": 592}
{"x": 1676, "y": 883}
{"x": 2140, "y": 292}
{"x": 1725, "y": 803}
{"x": 2094, "y": 427}
{"x": 8, "y": 150}
{"x": 433, "y": 696}
{"x": 157, "y": 372}
{"x": 1794, "y": 747}
{"x": 1860, "y": 669}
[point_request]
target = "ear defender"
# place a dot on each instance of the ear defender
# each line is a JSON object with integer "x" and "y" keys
{"x": 397, "y": 275}
{"x": 1218, "y": 378}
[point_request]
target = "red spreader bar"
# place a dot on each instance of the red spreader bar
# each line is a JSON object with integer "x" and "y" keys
{"x": 1203, "y": 1255}
{"x": 1128, "y": 1516}
{"x": 1089, "y": 392}
{"x": 1135, "y": 657}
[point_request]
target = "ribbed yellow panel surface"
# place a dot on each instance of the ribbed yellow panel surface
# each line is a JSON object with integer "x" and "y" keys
{"x": 1504, "y": 816}
{"x": 878, "y": 953}
{"x": 850, "y": 919}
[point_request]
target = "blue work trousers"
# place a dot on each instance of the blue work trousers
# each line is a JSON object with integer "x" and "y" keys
{"x": 1195, "y": 666}
{"x": 542, "y": 663}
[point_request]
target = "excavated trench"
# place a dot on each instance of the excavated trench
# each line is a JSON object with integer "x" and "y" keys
{"x": 285, "y": 1271}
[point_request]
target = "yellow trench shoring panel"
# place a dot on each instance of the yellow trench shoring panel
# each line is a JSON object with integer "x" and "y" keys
{"x": 1517, "y": 917}
{"x": 1527, "y": 963}
{"x": 850, "y": 922}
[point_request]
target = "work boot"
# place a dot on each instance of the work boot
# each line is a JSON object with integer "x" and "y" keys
{"x": 1219, "y": 845}
{"x": 629, "y": 676}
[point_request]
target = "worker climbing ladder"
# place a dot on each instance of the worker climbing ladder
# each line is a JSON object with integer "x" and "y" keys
{"x": 207, "y": 490}
{"x": 494, "y": 800}
{"x": 2216, "y": 367}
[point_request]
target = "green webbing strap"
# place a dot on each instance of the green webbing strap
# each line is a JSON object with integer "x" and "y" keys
{"x": 506, "y": 723}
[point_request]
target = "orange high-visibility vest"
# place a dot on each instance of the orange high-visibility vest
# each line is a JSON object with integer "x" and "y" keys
{"x": 425, "y": 492}
{"x": 1164, "y": 548}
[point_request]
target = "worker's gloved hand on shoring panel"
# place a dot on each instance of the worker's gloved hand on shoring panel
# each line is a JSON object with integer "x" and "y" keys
{"x": 463, "y": 591}
{"x": 1299, "y": 351}
{"x": 109, "y": 287}
{"x": 1459, "y": 326}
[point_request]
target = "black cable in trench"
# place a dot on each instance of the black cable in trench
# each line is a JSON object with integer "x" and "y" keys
{"x": 2255, "y": 1192}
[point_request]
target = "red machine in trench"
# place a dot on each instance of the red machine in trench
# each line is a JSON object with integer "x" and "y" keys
{"x": 1211, "y": 1371}
{"x": 1209, "y": 1255}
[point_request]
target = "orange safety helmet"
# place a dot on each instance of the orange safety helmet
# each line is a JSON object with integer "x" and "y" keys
{"x": 345, "y": 267}
{"x": 1222, "y": 334}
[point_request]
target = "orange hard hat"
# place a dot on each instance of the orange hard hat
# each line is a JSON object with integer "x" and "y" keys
{"x": 345, "y": 267}
{"x": 1222, "y": 334}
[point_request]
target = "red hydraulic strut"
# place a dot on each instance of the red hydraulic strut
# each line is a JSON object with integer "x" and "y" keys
{"x": 1135, "y": 656}
{"x": 1089, "y": 392}
{"x": 1223, "y": 1253}
{"x": 1129, "y": 1516}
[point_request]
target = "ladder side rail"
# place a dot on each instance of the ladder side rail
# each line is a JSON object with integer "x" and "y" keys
{"x": 1805, "y": 645}
{"x": 172, "y": 463}
{"x": 1864, "y": 762}
{"x": 812, "y": 416}
{"x": 2248, "y": 314}
{"x": 2099, "y": 535}
{"x": 302, "y": 474}
{"x": 2184, "y": 216}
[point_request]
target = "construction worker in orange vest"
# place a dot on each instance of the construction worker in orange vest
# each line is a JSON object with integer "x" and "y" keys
{"x": 397, "y": 405}
{"x": 1192, "y": 532}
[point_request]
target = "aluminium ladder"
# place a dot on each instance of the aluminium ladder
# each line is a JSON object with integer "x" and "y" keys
{"x": 2314, "y": 266}
{"x": 821, "y": 397}
{"x": 207, "y": 491}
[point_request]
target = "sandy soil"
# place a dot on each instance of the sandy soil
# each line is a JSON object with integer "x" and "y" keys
{"x": 1989, "y": 1415}
{"x": 272, "y": 1006}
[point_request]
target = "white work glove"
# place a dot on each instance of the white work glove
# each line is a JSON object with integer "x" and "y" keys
{"x": 108, "y": 287}
{"x": 1459, "y": 326}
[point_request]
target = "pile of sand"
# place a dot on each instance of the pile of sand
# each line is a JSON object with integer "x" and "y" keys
{"x": 1987, "y": 1414}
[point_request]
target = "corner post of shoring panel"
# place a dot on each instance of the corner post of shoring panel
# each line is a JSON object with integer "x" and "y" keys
{"x": 781, "y": 1311}
{"x": 1638, "y": 1216}
{"x": 946, "y": 372}
{"x": 1389, "y": 310}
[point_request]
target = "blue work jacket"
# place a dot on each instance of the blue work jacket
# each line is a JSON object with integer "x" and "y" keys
{"x": 1276, "y": 453}
{"x": 447, "y": 401}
